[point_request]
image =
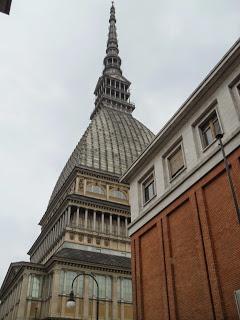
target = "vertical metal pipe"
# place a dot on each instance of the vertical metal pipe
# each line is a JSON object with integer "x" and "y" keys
{"x": 235, "y": 201}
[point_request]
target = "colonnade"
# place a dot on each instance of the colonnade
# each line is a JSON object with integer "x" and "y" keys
{"x": 86, "y": 219}
{"x": 99, "y": 221}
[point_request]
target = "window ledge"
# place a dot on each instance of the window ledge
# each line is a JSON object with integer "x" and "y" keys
{"x": 147, "y": 202}
{"x": 178, "y": 174}
{"x": 209, "y": 146}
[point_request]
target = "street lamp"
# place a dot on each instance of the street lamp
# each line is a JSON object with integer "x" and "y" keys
{"x": 235, "y": 201}
{"x": 71, "y": 301}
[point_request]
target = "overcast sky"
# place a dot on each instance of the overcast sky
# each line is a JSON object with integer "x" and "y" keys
{"x": 51, "y": 54}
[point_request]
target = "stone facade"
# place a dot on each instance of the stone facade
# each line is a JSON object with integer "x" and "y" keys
{"x": 84, "y": 229}
{"x": 185, "y": 228}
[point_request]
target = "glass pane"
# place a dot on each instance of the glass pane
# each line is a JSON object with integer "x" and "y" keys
{"x": 146, "y": 191}
{"x": 62, "y": 275}
{"x": 36, "y": 287}
{"x": 108, "y": 287}
{"x": 69, "y": 276}
{"x": 216, "y": 127}
{"x": 127, "y": 290}
{"x": 208, "y": 137}
{"x": 149, "y": 191}
{"x": 102, "y": 286}
{"x": 90, "y": 287}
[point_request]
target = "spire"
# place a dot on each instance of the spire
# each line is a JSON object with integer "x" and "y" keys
{"x": 112, "y": 61}
{"x": 112, "y": 89}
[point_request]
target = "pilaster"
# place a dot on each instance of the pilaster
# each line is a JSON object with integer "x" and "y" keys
{"x": 85, "y": 298}
{"x": 94, "y": 220}
{"x": 23, "y": 298}
{"x": 114, "y": 299}
{"x": 86, "y": 219}
{"x": 54, "y": 310}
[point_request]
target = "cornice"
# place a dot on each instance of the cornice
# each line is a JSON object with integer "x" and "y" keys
{"x": 51, "y": 263}
{"x": 186, "y": 109}
{"x": 86, "y": 202}
{"x": 78, "y": 170}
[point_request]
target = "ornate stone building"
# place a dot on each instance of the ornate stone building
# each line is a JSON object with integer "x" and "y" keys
{"x": 85, "y": 225}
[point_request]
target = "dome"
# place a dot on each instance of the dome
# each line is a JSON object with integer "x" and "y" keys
{"x": 113, "y": 139}
{"x": 112, "y": 142}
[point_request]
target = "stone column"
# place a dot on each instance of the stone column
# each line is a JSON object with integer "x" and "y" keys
{"x": 94, "y": 220}
{"x": 122, "y": 311}
{"x": 77, "y": 308}
{"x": 102, "y": 228}
{"x": 85, "y": 298}
{"x": 55, "y": 292}
{"x": 118, "y": 225}
{"x": 114, "y": 299}
{"x": 110, "y": 221}
{"x": 86, "y": 218}
{"x": 126, "y": 226}
{"x": 53, "y": 236}
{"x": 77, "y": 218}
{"x": 62, "y": 225}
{"x": 65, "y": 218}
{"x": 76, "y": 184}
{"x": 68, "y": 215}
{"x": 23, "y": 298}
{"x": 58, "y": 228}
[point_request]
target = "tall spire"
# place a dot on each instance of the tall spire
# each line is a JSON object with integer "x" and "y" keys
{"x": 112, "y": 61}
{"x": 112, "y": 89}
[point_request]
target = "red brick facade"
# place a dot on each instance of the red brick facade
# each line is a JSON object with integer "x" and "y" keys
{"x": 186, "y": 261}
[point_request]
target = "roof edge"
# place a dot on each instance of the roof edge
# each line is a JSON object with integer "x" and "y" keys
{"x": 204, "y": 85}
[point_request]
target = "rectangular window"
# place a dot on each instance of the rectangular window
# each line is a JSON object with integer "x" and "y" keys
{"x": 124, "y": 289}
{"x": 176, "y": 161}
{"x": 209, "y": 129}
{"x": 105, "y": 287}
{"x": 66, "y": 279}
{"x": 35, "y": 286}
{"x": 148, "y": 188}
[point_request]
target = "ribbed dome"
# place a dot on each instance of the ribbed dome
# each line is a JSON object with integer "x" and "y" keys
{"x": 111, "y": 143}
{"x": 113, "y": 139}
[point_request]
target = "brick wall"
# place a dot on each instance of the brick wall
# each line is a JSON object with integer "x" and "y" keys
{"x": 186, "y": 261}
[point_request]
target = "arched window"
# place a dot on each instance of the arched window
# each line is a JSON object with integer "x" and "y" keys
{"x": 95, "y": 189}
{"x": 118, "y": 194}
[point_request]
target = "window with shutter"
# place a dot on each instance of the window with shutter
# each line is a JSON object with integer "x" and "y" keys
{"x": 176, "y": 161}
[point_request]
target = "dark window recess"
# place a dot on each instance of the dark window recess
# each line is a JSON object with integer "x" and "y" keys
{"x": 238, "y": 89}
{"x": 149, "y": 189}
